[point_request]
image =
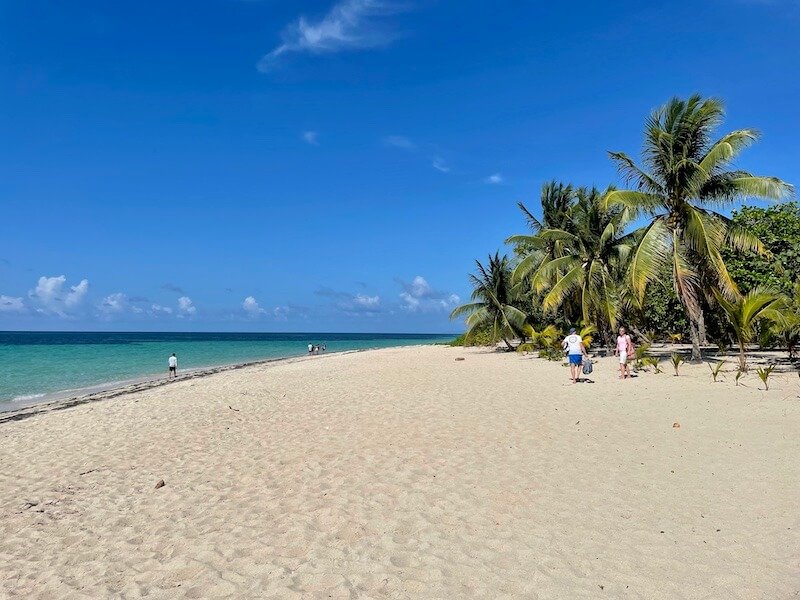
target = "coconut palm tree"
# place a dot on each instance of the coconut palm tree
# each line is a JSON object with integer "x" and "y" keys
{"x": 556, "y": 199}
{"x": 745, "y": 312}
{"x": 789, "y": 327}
{"x": 684, "y": 172}
{"x": 493, "y": 301}
{"x": 593, "y": 250}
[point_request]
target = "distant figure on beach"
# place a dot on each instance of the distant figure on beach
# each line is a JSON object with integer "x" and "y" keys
{"x": 324, "y": 347}
{"x": 173, "y": 365}
{"x": 310, "y": 348}
{"x": 573, "y": 344}
{"x": 624, "y": 350}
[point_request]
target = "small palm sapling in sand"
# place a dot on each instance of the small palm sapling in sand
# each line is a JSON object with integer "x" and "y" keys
{"x": 677, "y": 361}
{"x": 763, "y": 375}
{"x": 715, "y": 370}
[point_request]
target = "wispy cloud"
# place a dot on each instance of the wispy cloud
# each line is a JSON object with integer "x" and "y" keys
{"x": 367, "y": 301}
{"x": 171, "y": 287}
{"x": 352, "y": 304}
{"x": 494, "y": 179}
{"x": 348, "y": 25}
{"x": 399, "y": 141}
{"x": 327, "y": 292}
{"x": 281, "y": 313}
{"x": 311, "y": 138}
{"x": 440, "y": 165}
{"x": 158, "y": 310}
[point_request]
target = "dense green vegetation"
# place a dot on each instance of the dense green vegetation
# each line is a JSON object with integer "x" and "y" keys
{"x": 778, "y": 229}
{"x": 658, "y": 257}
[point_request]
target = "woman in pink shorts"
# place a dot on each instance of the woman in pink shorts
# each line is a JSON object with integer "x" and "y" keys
{"x": 624, "y": 350}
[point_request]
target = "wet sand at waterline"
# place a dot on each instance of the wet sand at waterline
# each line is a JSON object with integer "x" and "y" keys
{"x": 404, "y": 473}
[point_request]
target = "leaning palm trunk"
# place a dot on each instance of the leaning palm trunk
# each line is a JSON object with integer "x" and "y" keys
{"x": 683, "y": 173}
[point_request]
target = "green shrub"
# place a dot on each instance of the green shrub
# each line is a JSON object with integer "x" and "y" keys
{"x": 551, "y": 353}
{"x": 480, "y": 336}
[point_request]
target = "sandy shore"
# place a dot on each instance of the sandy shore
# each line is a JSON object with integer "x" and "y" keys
{"x": 403, "y": 473}
{"x": 16, "y": 411}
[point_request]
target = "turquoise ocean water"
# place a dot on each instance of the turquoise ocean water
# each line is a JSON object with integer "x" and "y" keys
{"x": 34, "y": 365}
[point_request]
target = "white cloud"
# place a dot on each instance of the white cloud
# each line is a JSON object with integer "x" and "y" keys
{"x": 311, "y": 137}
{"x": 77, "y": 294}
{"x": 251, "y": 307}
{"x": 399, "y": 141}
{"x": 409, "y": 302}
{"x": 494, "y": 179}
{"x": 420, "y": 296}
{"x": 367, "y": 301}
{"x": 419, "y": 287}
{"x": 48, "y": 290}
{"x": 11, "y": 304}
{"x": 349, "y": 25}
{"x": 114, "y": 304}
{"x": 49, "y": 294}
{"x": 440, "y": 165}
{"x": 157, "y": 309}
{"x": 186, "y": 307}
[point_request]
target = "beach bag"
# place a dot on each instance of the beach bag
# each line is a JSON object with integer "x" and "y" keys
{"x": 587, "y": 367}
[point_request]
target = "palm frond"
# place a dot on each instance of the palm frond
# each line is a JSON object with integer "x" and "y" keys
{"x": 650, "y": 257}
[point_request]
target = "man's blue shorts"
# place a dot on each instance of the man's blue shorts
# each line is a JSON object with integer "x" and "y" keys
{"x": 575, "y": 359}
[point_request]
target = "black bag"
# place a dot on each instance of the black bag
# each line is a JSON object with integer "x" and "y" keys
{"x": 587, "y": 367}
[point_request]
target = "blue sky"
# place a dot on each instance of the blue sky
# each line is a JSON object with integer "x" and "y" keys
{"x": 321, "y": 166}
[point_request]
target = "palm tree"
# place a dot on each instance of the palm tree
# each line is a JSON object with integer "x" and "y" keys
{"x": 493, "y": 299}
{"x": 685, "y": 172}
{"x": 746, "y": 311}
{"x": 789, "y": 327}
{"x": 592, "y": 250}
{"x": 556, "y": 199}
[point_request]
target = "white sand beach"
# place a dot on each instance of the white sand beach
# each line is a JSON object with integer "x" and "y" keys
{"x": 404, "y": 473}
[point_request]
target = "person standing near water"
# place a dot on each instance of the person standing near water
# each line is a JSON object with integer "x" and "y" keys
{"x": 576, "y": 351}
{"x": 173, "y": 366}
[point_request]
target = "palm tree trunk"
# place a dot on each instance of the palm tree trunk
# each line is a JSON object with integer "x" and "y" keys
{"x": 742, "y": 357}
{"x": 702, "y": 329}
{"x": 508, "y": 344}
{"x": 694, "y": 334}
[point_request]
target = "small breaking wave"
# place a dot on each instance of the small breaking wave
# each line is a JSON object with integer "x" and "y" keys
{"x": 27, "y": 397}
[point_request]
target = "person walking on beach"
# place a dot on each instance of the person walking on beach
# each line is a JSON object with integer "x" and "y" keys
{"x": 576, "y": 351}
{"x": 173, "y": 366}
{"x": 624, "y": 350}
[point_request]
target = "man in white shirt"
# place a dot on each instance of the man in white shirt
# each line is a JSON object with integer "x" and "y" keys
{"x": 576, "y": 351}
{"x": 173, "y": 366}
